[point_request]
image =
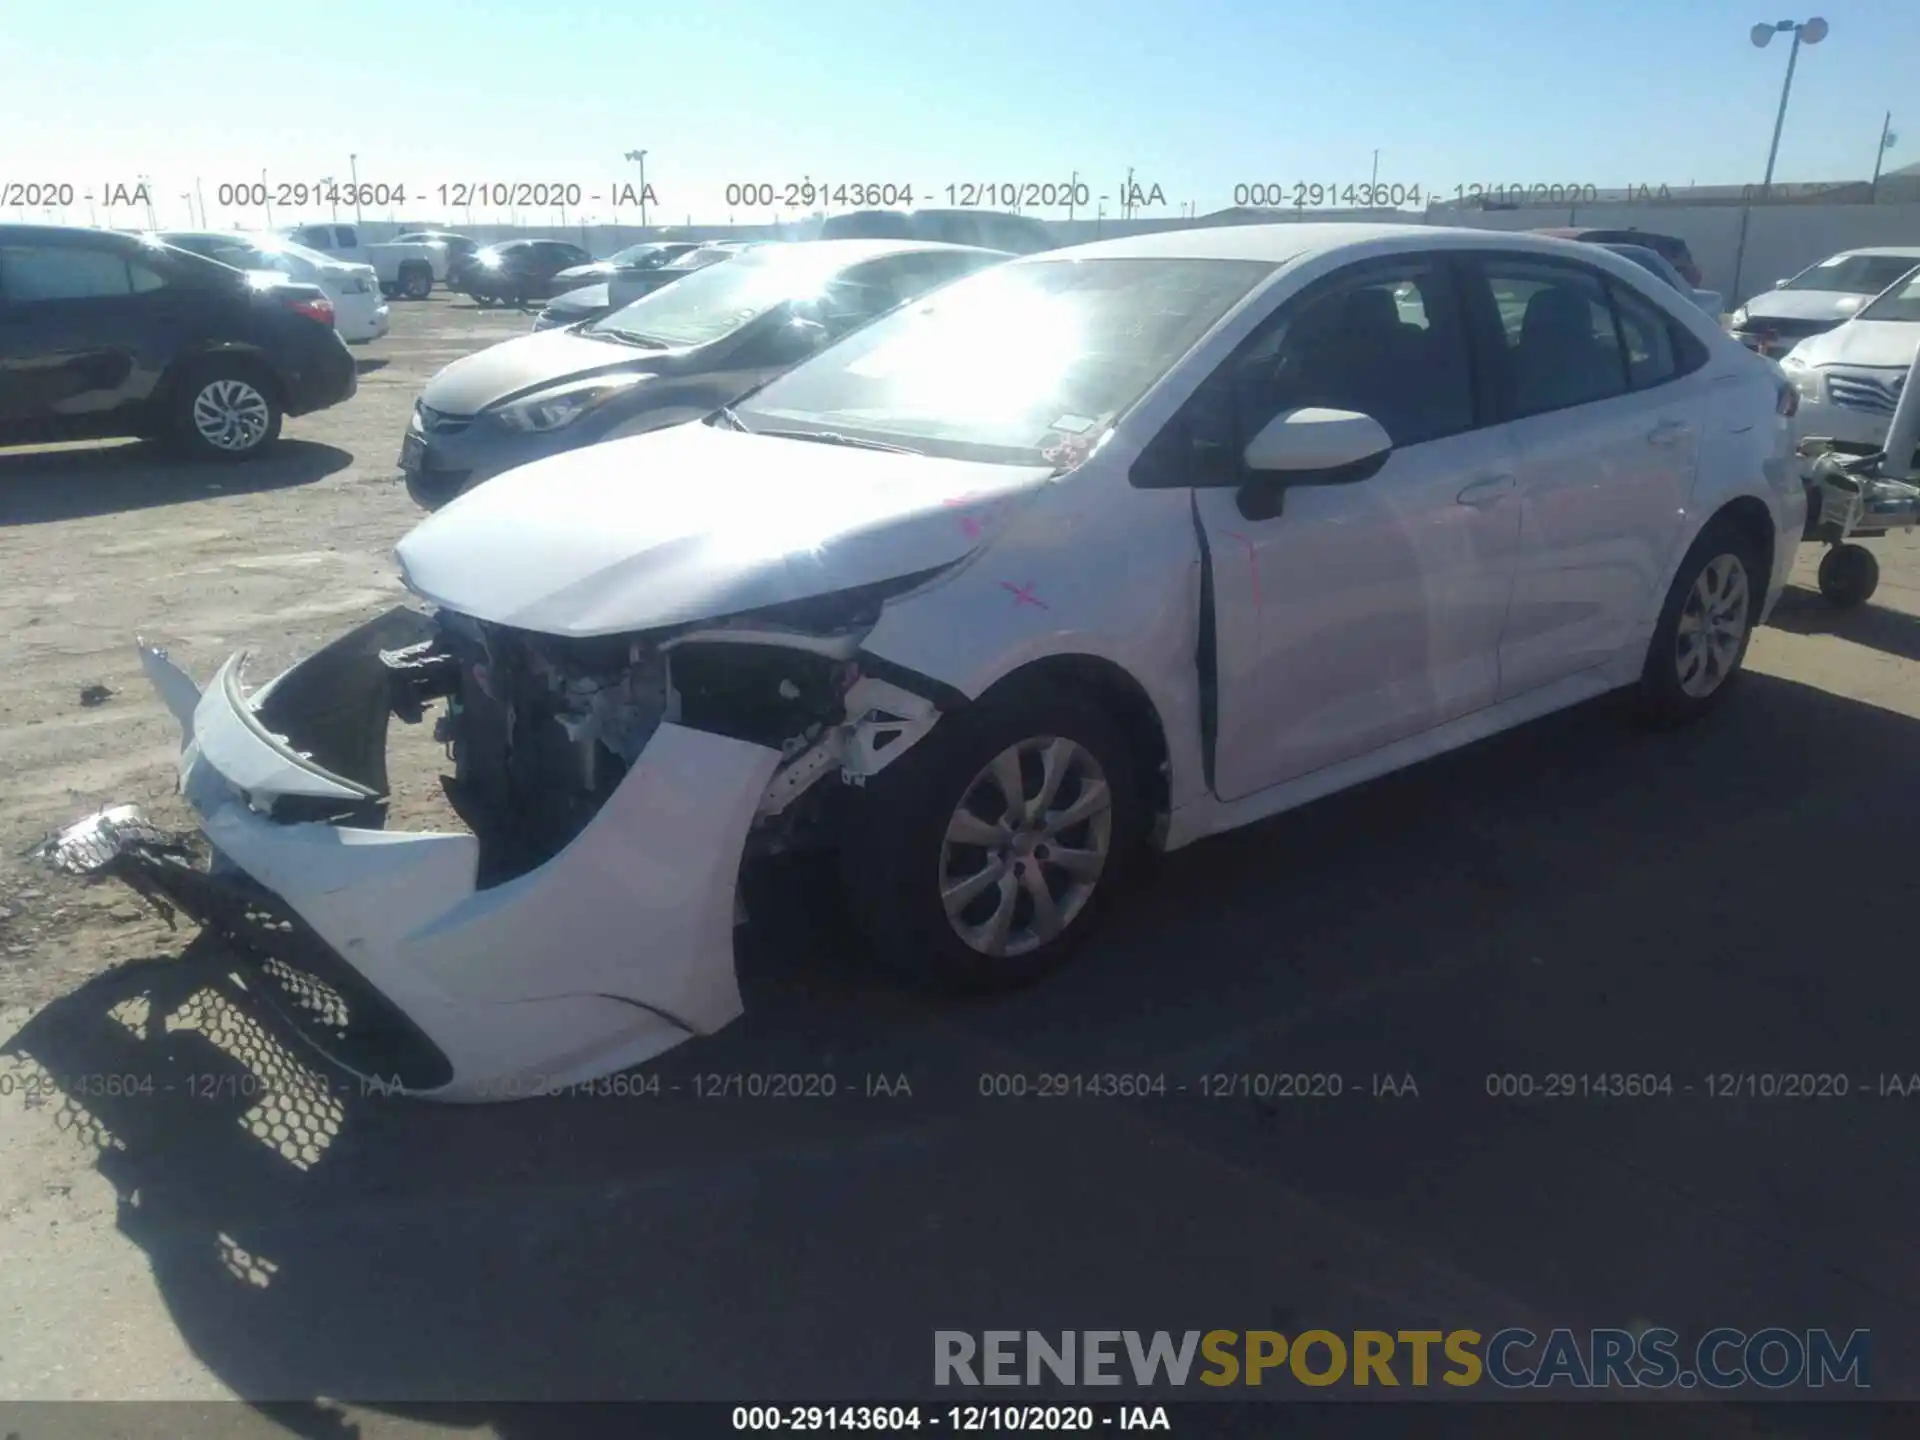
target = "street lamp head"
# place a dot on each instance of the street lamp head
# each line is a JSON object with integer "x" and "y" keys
{"x": 1762, "y": 36}
{"x": 1813, "y": 32}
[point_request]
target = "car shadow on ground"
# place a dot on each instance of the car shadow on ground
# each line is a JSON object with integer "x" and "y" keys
{"x": 1576, "y": 895}
{"x": 40, "y": 486}
{"x": 366, "y": 365}
{"x": 1892, "y": 632}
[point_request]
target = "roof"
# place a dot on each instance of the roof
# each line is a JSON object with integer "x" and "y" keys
{"x": 1279, "y": 243}
{"x": 1901, "y": 252}
{"x": 852, "y": 252}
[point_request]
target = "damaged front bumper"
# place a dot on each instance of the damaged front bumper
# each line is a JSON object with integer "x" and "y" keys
{"x": 404, "y": 961}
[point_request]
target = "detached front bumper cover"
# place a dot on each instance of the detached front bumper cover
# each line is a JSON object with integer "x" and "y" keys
{"x": 397, "y": 965}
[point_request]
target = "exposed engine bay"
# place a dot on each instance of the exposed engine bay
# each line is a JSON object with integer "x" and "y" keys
{"x": 542, "y": 729}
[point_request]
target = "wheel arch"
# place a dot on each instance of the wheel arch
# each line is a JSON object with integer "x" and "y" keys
{"x": 1118, "y": 693}
{"x": 1751, "y": 516}
{"x": 249, "y": 356}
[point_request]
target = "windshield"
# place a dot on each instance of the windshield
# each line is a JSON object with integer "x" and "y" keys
{"x": 1010, "y": 362}
{"x": 1901, "y": 302}
{"x": 1648, "y": 260}
{"x": 717, "y": 300}
{"x": 1853, "y": 274}
{"x": 649, "y": 253}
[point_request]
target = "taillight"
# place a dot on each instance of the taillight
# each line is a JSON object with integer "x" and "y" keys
{"x": 318, "y": 308}
{"x": 1789, "y": 402}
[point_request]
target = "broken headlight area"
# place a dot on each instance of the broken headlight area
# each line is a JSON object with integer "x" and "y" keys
{"x": 542, "y": 729}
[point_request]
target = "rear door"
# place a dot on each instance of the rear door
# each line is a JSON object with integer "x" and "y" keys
{"x": 1607, "y": 406}
{"x": 84, "y": 333}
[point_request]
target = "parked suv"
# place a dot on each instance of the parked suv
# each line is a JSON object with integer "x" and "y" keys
{"x": 103, "y": 334}
{"x": 516, "y": 272}
{"x": 1670, "y": 248}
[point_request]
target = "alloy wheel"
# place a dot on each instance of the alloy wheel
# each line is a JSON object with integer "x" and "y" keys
{"x": 1026, "y": 846}
{"x": 231, "y": 415}
{"x": 1713, "y": 626}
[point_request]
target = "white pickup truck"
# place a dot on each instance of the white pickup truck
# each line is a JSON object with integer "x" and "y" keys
{"x": 411, "y": 270}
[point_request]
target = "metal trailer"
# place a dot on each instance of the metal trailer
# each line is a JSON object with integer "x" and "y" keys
{"x": 1855, "y": 493}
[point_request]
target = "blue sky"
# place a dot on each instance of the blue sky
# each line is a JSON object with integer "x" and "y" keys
{"x": 1196, "y": 95}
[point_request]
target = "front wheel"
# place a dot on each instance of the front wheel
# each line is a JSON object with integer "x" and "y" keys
{"x": 985, "y": 855}
{"x": 416, "y": 282}
{"x": 1705, "y": 626}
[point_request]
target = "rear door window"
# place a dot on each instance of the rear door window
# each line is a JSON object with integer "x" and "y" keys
{"x": 30, "y": 273}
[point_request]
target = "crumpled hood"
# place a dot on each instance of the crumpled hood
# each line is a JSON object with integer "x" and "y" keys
{"x": 1863, "y": 342}
{"x": 697, "y": 522}
{"x": 524, "y": 364}
{"x": 1804, "y": 305}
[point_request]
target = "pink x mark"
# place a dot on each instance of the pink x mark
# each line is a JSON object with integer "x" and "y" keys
{"x": 1023, "y": 595}
{"x": 969, "y": 524}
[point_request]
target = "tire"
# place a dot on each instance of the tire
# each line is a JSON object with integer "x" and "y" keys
{"x": 416, "y": 281}
{"x": 225, "y": 410}
{"x": 388, "y": 290}
{"x": 896, "y": 858}
{"x": 1715, "y": 599}
{"x": 1849, "y": 575}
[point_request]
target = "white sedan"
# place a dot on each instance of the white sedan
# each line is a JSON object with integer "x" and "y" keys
{"x": 360, "y": 313}
{"x": 1850, "y": 377}
{"x": 1103, "y": 550}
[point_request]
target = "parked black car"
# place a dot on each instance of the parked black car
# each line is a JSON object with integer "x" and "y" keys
{"x": 460, "y": 251}
{"x": 515, "y": 272}
{"x": 993, "y": 229}
{"x": 634, "y": 260}
{"x": 103, "y": 334}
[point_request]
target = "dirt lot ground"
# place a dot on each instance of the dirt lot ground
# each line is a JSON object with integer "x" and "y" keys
{"x": 1576, "y": 897}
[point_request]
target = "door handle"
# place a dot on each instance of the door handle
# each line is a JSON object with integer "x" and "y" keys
{"x": 1669, "y": 432}
{"x": 1488, "y": 490}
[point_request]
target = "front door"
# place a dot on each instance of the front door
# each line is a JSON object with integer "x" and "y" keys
{"x": 1365, "y": 612}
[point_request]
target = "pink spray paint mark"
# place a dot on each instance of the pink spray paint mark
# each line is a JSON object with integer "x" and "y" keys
{"x": 1253, "y": 564}
{"x": 969, "y": 524}
{"x": 1023, "y": 595}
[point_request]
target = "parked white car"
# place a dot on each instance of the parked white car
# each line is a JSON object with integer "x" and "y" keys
{"x": 1850, "y": 377}
{"x": 359, "y": 312}
{"x": 1819, "y": 297}
{"x": 1102, "y": 550}
{"x": 405, "y": 269}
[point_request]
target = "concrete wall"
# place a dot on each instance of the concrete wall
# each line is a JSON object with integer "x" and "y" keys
{"x": 1781, "y": 239}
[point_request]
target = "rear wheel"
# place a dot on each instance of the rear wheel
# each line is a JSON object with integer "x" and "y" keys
{"x": 986, "y": 854}
{"x": 1705, "y": 626}
{"x": 225, "y": 410}
{"x": 416, "y": 281}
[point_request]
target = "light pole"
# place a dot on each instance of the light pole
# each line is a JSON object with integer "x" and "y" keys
{"x": 353, "y": 169}
{"x": 146, "y": 187}
{"x": 1887, "y": 141}
{"x": 1810, "y": 32}
{"x": 201, "y": 196}
{"x": 639, "y": 157}
{"x": 267, "y": 195}
{"x": 333, "y": 190}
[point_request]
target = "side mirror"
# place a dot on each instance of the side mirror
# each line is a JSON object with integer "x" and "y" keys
{"x": 1310, "y": 446}
{"x": 1781, "y": 283}
{"x": 1316, "y": 446}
